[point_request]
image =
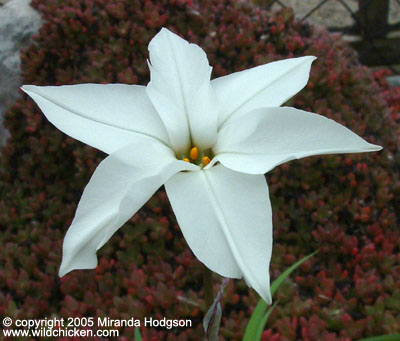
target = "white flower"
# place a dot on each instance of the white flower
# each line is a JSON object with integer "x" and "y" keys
{"x": 208, "y": 142}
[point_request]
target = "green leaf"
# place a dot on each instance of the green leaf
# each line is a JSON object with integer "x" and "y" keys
{"x": 277, "y": 283}
{"x": 263, "y": 321}
{"x": 138, "y": 336}
{"x": 395, "y": 337}
{"x": 254, "y": 322}
{"x": 257, "y": 317}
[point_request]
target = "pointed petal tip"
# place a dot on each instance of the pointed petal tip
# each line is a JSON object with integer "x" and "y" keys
{"x": 28, "y": 88}
{"x": 267, "y": 297}
{"x": 264, "y": 292}
{"x": 309, "y": 59}
{"x": 25, "y": 88}
{"x": 62, "y": 272}
{"x": 32, "y": 90}
{"x": 369, "y": 147}
{"x": 165, "y": 30}
{"x": 67, "y": 268}
{"x": 375, "y": 148}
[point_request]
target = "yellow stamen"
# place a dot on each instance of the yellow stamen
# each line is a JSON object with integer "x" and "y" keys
{"x": 194, "y": 153}
{"x": 206, "y": 160}
{"x": 186, "y": 159}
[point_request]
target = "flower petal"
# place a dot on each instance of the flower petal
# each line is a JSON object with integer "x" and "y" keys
{"x": 120, "y": 186}
{"x": 226, "y": 219}
{"x": 180, "y": 90}
{"x": 268, "y": 85}
{"x": 256, "y": 142}
{"x": 104, "y": 116}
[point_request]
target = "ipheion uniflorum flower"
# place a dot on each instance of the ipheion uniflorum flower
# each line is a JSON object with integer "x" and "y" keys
{"x": 209, "y": 142}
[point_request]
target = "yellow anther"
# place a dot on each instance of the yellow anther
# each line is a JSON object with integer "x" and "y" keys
{"x": 194, "y": 153}
{"x": 186, "y": 159}
{"x": 206, "y": 160}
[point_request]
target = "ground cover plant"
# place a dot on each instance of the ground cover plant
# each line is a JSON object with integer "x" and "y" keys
{"x": 345, "y": 206}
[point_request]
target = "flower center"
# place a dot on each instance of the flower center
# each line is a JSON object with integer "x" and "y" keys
{"x": 198, "y": 157}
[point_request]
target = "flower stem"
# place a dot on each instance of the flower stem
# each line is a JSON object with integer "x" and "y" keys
{"x": 208, "y": 287}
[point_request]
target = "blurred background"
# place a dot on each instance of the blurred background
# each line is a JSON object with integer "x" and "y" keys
{"x": 371, "y": 26}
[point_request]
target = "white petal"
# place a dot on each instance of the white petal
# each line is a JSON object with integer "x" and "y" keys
{"x": 260, "y": 140}
{"x": 104, "y": 116}
{"x": 268, "y": 85}
{"x": 180, "y": 90}
{"x": 226, "y": 219}
{"x": 120, "y": 185}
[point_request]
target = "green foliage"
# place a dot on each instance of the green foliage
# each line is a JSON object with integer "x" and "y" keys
{"x": 393, "y": 337}
{"x": 138, "y": 335}
{"x": 260, "y": 314}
